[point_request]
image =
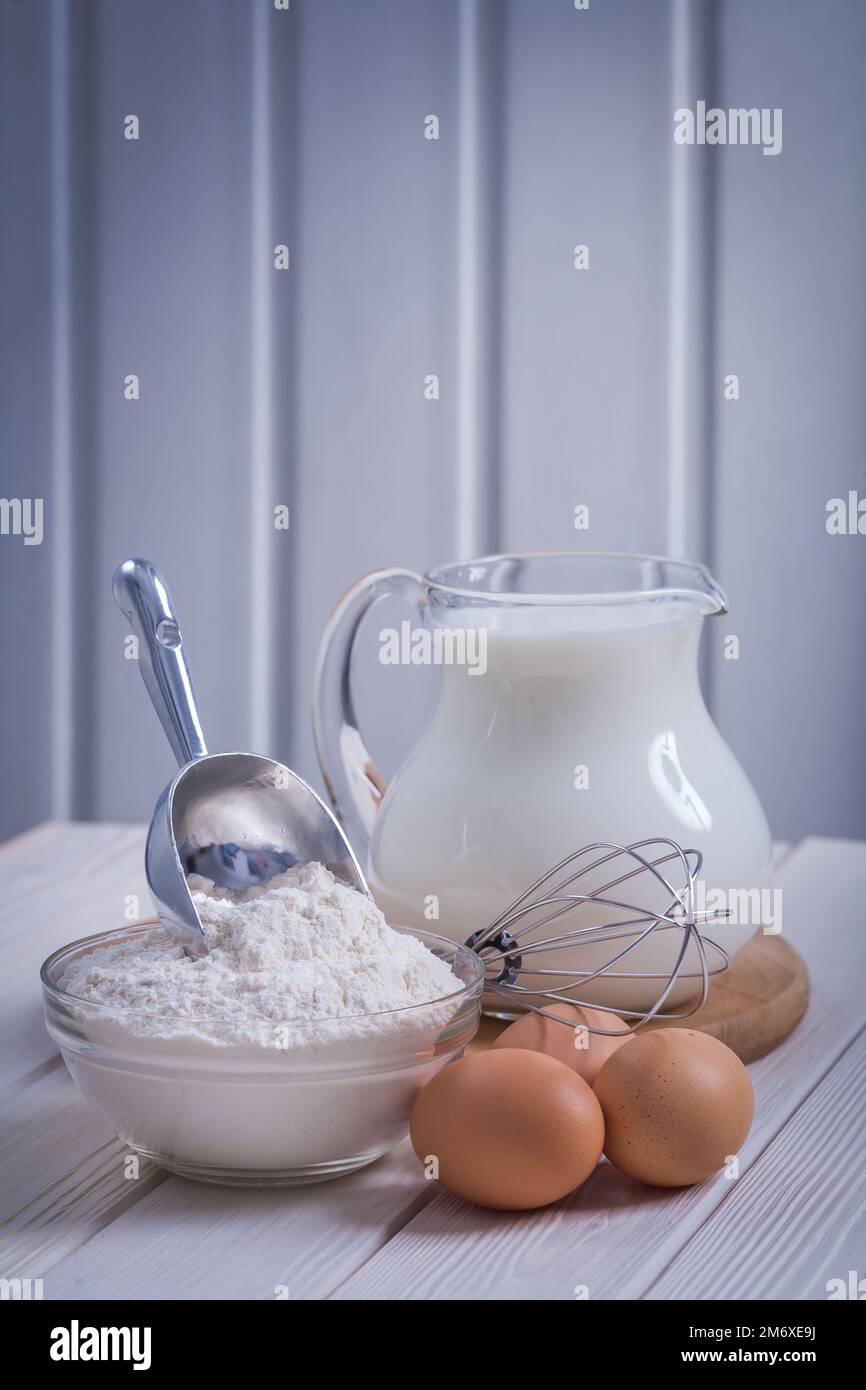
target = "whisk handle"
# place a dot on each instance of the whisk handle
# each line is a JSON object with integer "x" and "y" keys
{"x": 354, "y": 784}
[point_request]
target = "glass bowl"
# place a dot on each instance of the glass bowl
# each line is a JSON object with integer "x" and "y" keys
{"x": 258, "y": 1103}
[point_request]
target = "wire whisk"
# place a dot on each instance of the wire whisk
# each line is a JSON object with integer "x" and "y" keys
{"x": 511, "y": 945}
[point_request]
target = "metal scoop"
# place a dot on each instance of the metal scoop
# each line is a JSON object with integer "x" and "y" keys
{"x": 236, "y": 818}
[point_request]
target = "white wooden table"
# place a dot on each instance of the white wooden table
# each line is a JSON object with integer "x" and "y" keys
{"x": 794, "y": 1219}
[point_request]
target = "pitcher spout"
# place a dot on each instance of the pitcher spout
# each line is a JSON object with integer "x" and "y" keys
{"x": 707, "y": 592}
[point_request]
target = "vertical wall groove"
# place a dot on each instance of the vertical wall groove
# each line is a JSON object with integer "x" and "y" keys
{"x": 289, "y": 703}
{"x": 692, "y": 257}
{"x": 478, "y": 276}
{"x": 73, "y": 509}
{"x": 261, "y": 734}
{"x": 691, "y": 325}
{"x": 60, "y": 500}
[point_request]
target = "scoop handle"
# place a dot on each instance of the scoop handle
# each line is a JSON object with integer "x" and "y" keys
{"x": 142, "y": 596}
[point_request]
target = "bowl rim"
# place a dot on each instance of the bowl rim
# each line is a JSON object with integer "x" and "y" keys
{"x": 142, "y": 925}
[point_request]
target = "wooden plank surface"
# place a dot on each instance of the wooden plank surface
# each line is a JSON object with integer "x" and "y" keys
{"x": 616, "y": 1236}
{"x": 63, "y": 1175}
{"x": 187, "y": 1240}
{"x": 57, "y": 883}
{"x": 385, "y": 1232}
{"x": 798, "y": 1217}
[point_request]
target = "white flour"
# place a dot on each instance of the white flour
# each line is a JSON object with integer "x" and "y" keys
{"x": 302, "y": 947}
{"x": 256, "y": 1063}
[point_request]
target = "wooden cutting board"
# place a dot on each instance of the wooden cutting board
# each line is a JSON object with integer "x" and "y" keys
{"x": 753, "y": 1007}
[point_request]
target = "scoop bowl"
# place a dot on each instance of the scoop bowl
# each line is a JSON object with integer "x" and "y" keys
{"x": 236, "y": 818}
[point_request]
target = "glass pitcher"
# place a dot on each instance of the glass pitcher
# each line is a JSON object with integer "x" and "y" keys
{"x": 569, "y": 712}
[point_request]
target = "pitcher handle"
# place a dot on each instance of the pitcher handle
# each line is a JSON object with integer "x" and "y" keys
{"x": 354, "y": 784}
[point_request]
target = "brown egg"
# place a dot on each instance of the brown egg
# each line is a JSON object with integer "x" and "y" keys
{"x": 677, "y": 1103}
{"x": 570, "y": 1042}
{"x": 508, "y": 1128}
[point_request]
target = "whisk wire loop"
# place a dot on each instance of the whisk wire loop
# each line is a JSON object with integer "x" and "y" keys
{"x": 506, "y": 943}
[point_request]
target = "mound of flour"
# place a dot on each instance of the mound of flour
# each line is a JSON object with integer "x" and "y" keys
{"x": 303, "y": 946}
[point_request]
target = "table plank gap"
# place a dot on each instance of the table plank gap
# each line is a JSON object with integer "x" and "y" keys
{"x": 196, "y": 1241}
{"x": 29, "y": 1078}
{"x": 744, "y": 1251}
{"x": 64, "y": 1173}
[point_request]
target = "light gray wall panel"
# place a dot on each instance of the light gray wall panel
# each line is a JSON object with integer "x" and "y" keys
{"x": 375, "y": 284}
{"x": 26, "y": 384}
{"x": 587, "y": 153}
{"x": 792, "y": 325}
{"x": 411, "y": 257}
{"x": 174, "y": 306}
